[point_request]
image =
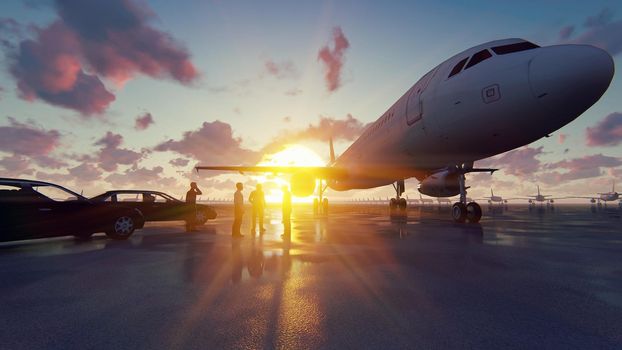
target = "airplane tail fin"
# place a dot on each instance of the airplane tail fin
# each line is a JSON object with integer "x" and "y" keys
{"x": 332, "y": 150}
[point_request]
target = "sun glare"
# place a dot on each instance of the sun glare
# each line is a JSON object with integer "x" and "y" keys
{"x": 292, "y": 155}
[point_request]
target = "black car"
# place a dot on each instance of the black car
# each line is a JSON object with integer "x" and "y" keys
{"x": 157, "y": 206}
{"x": 36, "y": 209}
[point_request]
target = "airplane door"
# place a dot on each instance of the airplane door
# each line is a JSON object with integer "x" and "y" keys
{"x": 414, "y": 107}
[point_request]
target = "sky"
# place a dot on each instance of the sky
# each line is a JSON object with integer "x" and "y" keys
{"x": 99, "y": 95}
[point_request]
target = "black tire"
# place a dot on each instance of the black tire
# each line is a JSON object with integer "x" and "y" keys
{"x": 402, "y": 203}
{"x": 473, "y": 212}
{"x": 458, "y": 212}
{"x": 393, "y": 203}
{"x": 122, "y": 227}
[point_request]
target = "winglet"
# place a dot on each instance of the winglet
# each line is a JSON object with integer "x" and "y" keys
{"x": 332, "y": 150}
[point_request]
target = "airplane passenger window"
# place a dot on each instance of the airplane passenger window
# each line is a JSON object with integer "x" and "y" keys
{"x": 506, "y": 49}
{"x": 478, "y": 57}
{"x": 458, "y": 67}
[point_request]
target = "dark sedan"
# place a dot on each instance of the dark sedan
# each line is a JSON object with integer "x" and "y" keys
{"x": 158, "y": 206}
{"x": 36, "y": 209}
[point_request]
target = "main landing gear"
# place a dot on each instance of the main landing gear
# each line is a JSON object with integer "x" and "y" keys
{"x": 463, "y": 211}
{"x": 320, "y": 204}
{"x": 398, "y": 201}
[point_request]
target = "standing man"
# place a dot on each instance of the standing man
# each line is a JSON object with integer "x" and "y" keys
{"x": 238, "y": 210}
{"x": 191, "y": 200}
{"x": 287, "y": 210}
{"x": 258, "y": 200}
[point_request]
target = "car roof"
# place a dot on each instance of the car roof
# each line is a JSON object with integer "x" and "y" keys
{"x": 133, "y": 192}
{"x": 25, "y": 182}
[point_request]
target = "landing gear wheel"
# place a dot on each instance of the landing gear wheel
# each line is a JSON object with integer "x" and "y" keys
{"x": 122, "y": 228}
{"x": 459, "y": 212}
{"x": 402, "y": 203}
{"x": 473, "y": 212}
{"x": 393, "y": 203}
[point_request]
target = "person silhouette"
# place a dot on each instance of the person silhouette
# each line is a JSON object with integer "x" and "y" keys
{"x": 238, "y": 210}
{"x": 287, "y": 210}
{"x": 258, "y": 200}
{"x": 191, "y": 201}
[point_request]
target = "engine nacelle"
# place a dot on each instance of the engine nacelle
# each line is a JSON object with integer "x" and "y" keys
{"x": 441, "y": 184}
{"x": 303, "y": 184}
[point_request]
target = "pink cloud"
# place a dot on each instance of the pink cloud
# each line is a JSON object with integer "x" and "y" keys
{"x": 108, "y": 39}
{"x": 85, "y": 172}
{"x": 27, "y": 139}
{"x": 333, "y": 59}
{"x": 15, "y": 166}
{"x": 578, "y": 168}
{"x": 607, "y": 132}
{"x": 142, "y": 177}
{"x": 212, "y": 143}
{"x": 520, "y": 162}
{"x": 110, "y": 155}
{"x": 143, "y": 122}
{"x": 599, "y": 31}
{"x": 281, "y": 70}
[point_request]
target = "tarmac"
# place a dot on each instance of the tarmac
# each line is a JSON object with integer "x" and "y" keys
{"x": 360, "y": 278}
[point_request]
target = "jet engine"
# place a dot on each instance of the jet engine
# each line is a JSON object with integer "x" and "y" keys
{"x": 441, "y": 184}
{"x": 303, "y": 184}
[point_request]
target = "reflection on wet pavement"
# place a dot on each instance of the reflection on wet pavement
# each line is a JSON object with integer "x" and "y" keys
{"x": 362, "y": 277}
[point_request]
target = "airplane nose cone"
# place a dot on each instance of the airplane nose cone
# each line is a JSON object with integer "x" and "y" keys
{"x": 570, "y": 77}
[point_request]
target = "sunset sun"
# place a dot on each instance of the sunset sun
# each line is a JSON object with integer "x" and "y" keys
{"x": 291, "y": 155}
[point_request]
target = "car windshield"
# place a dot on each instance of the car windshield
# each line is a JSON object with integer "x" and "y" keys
{"x": 57, "y": 194}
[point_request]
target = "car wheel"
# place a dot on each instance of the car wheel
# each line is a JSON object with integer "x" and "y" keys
{"x": 201, "y": 217}
{"x": 122, "y": 228}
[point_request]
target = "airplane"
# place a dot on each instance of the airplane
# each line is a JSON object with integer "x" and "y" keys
{"x": 495, "y": 199}
{"x": 486, "y": 100}
{"x": 541, "y": 198}
{"x": 605, "y": 196}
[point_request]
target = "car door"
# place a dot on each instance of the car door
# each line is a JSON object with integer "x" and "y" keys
{"x": 19, "y": 217}
{"x": 165, "y": 209}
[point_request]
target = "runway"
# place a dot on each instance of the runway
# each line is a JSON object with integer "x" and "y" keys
{"x": 361, "y": 278}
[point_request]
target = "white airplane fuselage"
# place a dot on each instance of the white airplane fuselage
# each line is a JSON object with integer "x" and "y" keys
{"x": 501, "y": 103}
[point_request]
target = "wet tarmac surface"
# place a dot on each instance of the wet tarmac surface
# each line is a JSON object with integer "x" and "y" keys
{"x": 539, "y": 278}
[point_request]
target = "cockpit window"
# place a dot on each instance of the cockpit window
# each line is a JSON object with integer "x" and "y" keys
{"x": 478, "y": 57}
{"x": 510, "y": 48}
{"x": 457, "y": 68}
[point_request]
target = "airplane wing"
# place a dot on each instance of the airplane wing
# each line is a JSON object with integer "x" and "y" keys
{"x": 318, "y": 171}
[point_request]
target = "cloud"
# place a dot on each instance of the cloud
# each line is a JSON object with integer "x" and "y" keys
{"x": 561, "y": 138}
{"x": 142, "y": 177}
{"x": 213, "y": 143}
{"x": 520, "y": 162}
{"x": 578, "y": 168}
{"x": 347, "y": 129}
{"x": 85, "y": 172}
{"x": 110, "y": 155}
{"x": 179, "y": 162}
{"x": 15, "y": 165}
{"x": 93, "y": 40}
{"x": 333, "y": 59}
{"x": 607, "y": 132}
{"x": 599, "y": 31}
{"x": 281, "y": 70}
{"x": 143, "y": 122}
{"x": 566, "y": 32}
{"x": 27, "y": 139}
